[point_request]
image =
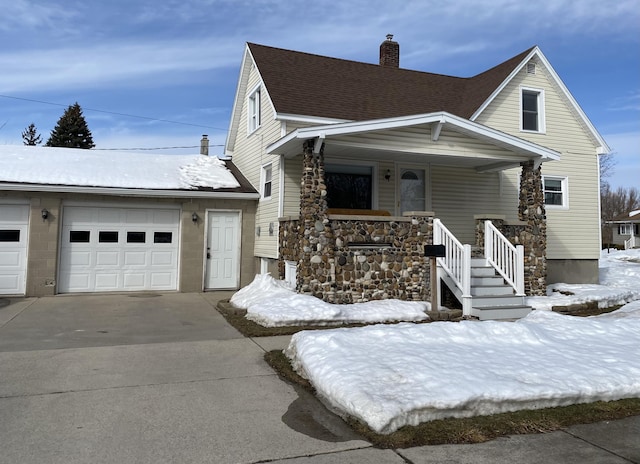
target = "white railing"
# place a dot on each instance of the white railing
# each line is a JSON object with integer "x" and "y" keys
{"x": 506, "y": 258}
{"x": 457, "y": 260}
{"x": 631, "y": 243}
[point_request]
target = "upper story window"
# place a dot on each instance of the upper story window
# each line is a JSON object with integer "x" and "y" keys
{"x": 254, "y": 110}
{"x": 532, "y": 118}
{"x": 555, "y": 192}
{"x": 267, "y": 173}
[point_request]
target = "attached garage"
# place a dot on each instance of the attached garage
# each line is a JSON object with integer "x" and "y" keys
{"x": 82, "y": 221}
{"x": 14, "y": 225}
{"x": 105, "y": 249}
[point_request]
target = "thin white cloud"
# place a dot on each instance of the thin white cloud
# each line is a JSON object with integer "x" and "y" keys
{"x": 28, "y": 14}
{"x": 626, "y": 153}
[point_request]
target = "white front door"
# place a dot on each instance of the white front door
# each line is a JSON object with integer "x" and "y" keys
{"x": 223, "y": 250}
{"x": 412, "y": 184}
{"x": 105, "y": 249}
{"x": 14, "y": 226}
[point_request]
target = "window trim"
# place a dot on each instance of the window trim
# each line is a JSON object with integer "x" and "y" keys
{"x": 542, "y": 128}
{"x": 564, "y": 190}
{"x": 624, "y": 229}
{"x": 254, "y": 109}
{"x": 263, "y": 181}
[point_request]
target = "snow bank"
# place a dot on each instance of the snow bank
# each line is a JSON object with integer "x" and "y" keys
{"x": 391, "y": 376}
{"x": 271, "y": 303}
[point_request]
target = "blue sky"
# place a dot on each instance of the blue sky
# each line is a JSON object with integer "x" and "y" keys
{"x": 175, "y": 64}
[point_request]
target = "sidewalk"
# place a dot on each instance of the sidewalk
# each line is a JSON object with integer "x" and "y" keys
{"x": 156, "y": 388}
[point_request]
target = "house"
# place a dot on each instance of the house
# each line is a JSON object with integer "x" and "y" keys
{"x": 75, "y": 220}
{"x": 625, "y": 230}
{"x": 359, "y": 166}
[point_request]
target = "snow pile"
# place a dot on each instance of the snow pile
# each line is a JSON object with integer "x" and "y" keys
{"x": 271, "y": 303}
{"x": 389, "y": 376}
{"x": 114, "y": 169}
{"x": 619, "y": 284}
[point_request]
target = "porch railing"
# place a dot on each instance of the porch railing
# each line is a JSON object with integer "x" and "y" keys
{"x": 631, "y": 243}
{"x": 457, "y": 260}
{"x": 506, "y": 258}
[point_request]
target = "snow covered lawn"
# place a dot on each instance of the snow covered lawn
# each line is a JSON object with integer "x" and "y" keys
{"x": 389, "y": 376}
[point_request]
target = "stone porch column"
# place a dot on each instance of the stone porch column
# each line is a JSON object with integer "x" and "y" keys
{"x": 534, "y": 237}
{"x": 316, "y": 251}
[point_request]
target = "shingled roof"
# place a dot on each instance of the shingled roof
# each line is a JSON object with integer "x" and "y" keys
{"x": 313, "y": 85}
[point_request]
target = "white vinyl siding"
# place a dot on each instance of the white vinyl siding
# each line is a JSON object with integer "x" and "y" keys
{"x": 573, "y": 233}
{"x": 249, "y": 156}
{"x": 458, "y": 194}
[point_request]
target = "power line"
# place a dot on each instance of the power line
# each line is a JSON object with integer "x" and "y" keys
{"x": 156, "y": 148}
{"x": 115, "y": 113}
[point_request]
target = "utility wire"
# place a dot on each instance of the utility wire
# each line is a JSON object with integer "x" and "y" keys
{"x": 156, "y": 148}
{"x": 116, "y": 113}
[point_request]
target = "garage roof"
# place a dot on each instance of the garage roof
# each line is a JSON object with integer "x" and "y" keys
{"x": 72, "y": 169}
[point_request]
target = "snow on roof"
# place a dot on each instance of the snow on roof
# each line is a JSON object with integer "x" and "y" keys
{"x": 116, "y": 169}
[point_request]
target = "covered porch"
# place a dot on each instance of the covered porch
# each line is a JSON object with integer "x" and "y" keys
{"x": 374, "y": 193}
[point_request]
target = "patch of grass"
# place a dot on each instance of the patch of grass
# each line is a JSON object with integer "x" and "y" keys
{"x": 249, "y": 328}
{"x": 475, "y": 429}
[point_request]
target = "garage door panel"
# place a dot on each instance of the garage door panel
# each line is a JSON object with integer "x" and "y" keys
{"x": 108, "y": 258}
{"x": 134, "y": 280}
{"x": 106, "y": 281}
{"x": 162, "y": 258}
{"x": 11, "y": 259}
{"x": 78, "y": 282}
{"x": 14, "y": 226}
{"x": 127, "y": 247}
{"x": 135, "y": 258}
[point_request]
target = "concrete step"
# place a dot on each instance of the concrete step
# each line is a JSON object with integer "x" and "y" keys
{"x": 482, "y": 271}
{"x": 487, "y": 280}
{"x": 483, "y": 301}
{"x": 500, "y": 312}
{"x": 491, "y": 290}
{"x": 478, "y": 262}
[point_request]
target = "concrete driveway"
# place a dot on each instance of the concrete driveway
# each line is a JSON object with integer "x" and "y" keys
{"x": 164, "y": 379}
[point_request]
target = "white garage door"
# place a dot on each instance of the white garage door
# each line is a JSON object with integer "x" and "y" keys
{"x": 14, "y": 225}
{"x": 118, "y": 249}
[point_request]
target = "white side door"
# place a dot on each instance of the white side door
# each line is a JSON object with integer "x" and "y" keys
{"x": 14, "y": 229}
{"x": 223, "y": 250}
{"x": 412, "y": 184}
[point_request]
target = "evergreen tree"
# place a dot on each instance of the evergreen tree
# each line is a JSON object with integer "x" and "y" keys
{"x": 31, "y": 136}
{"x": 71, "y": 131}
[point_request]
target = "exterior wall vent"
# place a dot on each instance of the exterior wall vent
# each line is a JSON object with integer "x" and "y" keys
{"x": 531, "y": 68}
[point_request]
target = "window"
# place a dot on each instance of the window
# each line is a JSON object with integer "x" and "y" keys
{"x": 162, "y": 237}
{"x": 624, "y": 229}
{"x": 267, "y": 173}
{"x": 555, "y": 192}
{"x": 79, "y": 236}
{"x": 532, "y": 110}
{"x": 349, "y": 186}
{"x": 10, "y": 235}
{"x": 254, "y": 110}
{"x": 107, "y": 237}
{"x": 136, "y": 237}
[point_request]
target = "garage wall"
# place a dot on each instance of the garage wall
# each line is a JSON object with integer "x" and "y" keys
{"x": 43, "y": 253}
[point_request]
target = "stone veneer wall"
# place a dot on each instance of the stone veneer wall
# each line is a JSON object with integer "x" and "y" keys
{"x": 344, "y": 259}
{"x": 531, "y": 233}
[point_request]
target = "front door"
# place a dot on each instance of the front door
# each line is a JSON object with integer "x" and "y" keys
{"x": 412, "y": 185}
{"x": 223, "y": 250}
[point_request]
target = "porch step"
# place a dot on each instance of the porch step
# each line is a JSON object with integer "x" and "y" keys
{"x": 491, "y": 290}
{"x": 500, "y": 312}
{"x": 483, "y": 301}
{"x": 487, "y": 280}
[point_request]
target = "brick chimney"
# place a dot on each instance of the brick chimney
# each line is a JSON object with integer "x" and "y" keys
{"x": 390, "y": 53}
{"x": 204, "y": 145}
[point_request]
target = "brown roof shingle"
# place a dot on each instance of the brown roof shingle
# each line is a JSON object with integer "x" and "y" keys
{"x": 313, "y": 85}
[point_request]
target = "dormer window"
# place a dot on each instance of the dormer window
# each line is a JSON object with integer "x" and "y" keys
{"x": 532, "y": 116}
{"x": 254, "y": 110}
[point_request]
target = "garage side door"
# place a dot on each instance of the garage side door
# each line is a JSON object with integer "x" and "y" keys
{"x": 118, "y": 249}
{"x": 14, "y": 226}
{"x": 223, "y": 250}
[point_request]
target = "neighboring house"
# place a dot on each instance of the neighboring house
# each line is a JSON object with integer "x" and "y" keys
{"x": 74, "y": 220}
{"x": 625, "y": 230}
{"x": 359, "y": 166}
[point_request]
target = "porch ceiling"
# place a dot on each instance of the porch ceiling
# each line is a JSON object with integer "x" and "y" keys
{"x": 436, "y": 138}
